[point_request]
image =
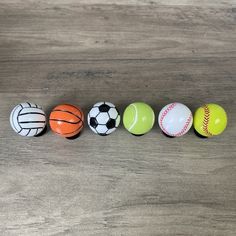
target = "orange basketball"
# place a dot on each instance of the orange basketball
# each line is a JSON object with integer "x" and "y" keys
{"x": 66, "y": 120}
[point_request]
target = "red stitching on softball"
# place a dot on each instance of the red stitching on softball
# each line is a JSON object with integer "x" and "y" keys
{"x": 169, "y": 108}
{"x": 185, "y": 126}
{"x": 206, "y": 120}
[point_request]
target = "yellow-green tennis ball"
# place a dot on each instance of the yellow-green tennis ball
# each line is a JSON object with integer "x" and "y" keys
{"x": 210, "y": 120}
{"x": 138, "y": 118}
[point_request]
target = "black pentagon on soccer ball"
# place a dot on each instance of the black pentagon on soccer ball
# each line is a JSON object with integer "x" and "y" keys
{"x": 111, "y": 124}
{"x": 93, "y": 122}
{"x": 104, "y": 108}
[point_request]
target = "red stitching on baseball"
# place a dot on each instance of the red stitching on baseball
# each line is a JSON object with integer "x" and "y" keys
{"x": 170, "y": 107}
{"x": 206, "y": 120}
{"x": 185, "y": 126}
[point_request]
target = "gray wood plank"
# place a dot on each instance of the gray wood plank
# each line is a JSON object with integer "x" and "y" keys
{"x": 104, "y": 31}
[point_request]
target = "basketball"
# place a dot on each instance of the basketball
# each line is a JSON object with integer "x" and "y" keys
{"x": 28, "y": 119}
{"x": 66, "y": 120}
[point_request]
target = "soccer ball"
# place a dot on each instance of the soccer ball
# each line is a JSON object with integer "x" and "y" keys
{"x": 103, "y": 118}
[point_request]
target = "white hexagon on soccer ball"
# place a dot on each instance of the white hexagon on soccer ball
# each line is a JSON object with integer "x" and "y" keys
{"x": 101, "y": 129}
{"x": 113, "y": 113}
{"x": 102, "y": 118}
{"x": 94, "y": 112}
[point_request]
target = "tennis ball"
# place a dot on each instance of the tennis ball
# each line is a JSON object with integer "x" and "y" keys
{"x": 138, "y": 118}
{"x": 210, "y": 120}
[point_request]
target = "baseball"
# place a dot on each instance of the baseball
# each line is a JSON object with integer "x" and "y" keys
{"x": 175, "y": 119}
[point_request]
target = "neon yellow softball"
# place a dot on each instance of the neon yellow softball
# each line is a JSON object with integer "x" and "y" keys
{"x": 138, "y": 118}
{"x": 210, "y": 120}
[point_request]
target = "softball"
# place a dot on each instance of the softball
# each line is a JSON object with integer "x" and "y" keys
{"x": 138, "y": 118}
{"x": 210, "y": 120}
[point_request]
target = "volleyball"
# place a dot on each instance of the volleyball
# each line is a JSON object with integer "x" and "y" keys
{"x": 28, "y": 119}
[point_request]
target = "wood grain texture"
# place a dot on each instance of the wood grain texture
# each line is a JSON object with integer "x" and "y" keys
{"x": 85, "y": 51}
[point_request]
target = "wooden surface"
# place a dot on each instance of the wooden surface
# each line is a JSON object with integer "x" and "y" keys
{"x": 85, "y": 51}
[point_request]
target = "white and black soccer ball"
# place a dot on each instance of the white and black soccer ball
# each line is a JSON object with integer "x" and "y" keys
{"x": 28, "y": 119}
{"x": 103, "y": 118}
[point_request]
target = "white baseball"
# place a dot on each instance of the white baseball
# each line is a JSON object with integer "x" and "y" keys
{"x": 175, "y": 119}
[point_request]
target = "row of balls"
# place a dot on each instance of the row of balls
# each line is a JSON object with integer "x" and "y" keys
{"x": 66, "y": 120}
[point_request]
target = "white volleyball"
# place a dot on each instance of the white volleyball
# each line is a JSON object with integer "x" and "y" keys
{"x": 28, "y": 119}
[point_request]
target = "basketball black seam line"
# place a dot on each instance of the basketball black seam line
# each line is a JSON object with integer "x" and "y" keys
{"x": 73, "y": 123}
{"x": 29, "y": 104}
{"x": 71, "y": 132}
{"x": 69, "y": 113}
{"x": 78, "y": 108}
{"x": 16, "y": 118}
